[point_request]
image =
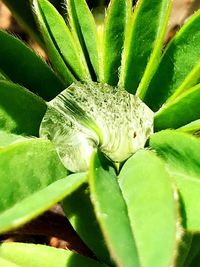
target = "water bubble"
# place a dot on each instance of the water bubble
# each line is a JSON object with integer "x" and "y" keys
{"x": 85, "y": 117}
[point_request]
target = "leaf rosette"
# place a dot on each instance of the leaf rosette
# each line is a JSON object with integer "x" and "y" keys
{"x": 110, "y": 86}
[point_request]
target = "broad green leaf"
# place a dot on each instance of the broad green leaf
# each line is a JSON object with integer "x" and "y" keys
{"x": 147, "y": 190}
{"x": 143, "y": 45}
{"x": 85, "y": 32}
{"x": 181, "y": 153}
{"x": 62, "y": 40}
{"x": 5, "y": 263}
{"x": 21, "y": 111}
{"x": 9, "y": 138}
{"x": 21, "y": 178}
{"x": 192, "y": 127}
{"x": 53, "y": 50}
{"x": 117, "y": 17}
{"x": 179, "y": 67}
{"x": 111, "y": 213}
{"x": 20, "y": 64}
{"x": 80, "y": 212}
{"x": 22, "y": 11}
{"x": 179, "y": 112}
{"x": 30, "y": 255}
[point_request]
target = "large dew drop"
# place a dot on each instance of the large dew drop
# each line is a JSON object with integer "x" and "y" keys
{"x": 87, "y": 117}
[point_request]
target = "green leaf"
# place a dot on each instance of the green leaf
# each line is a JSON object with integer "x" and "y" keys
{"x": 53, "y": 49}
{"x": 54, "y": 24}
{"x": 85, "y": 33}
{"x": 58, "y": 5}
{"x": 80, "y": 212}
{"x": 181, "y": 153}
{"x": 111, "y": 213}
{"x": 24, "y": 192}
{"x": 192, "y": 127}
{"x": 21, "y": 112}
{"x": 38, "y": 202}
{"x": 147, "y": 190}
{"x": 179, "y": 66}
{"x": 22, "y": 11}
{"x": 20, "y": 64}
{"x": 117, "y": 17}
{"x": 8, "y": 138}
{"x": 5, "y": 263}
{"x": 192, "y": 79}
{"x": 39, "y": 255}
{"x": 179, "y": 112}
{"x": 143, "y": 45}
{"x": 3, "y": 76}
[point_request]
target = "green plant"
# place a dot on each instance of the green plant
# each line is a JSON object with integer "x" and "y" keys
{"x": 133, "y": 196}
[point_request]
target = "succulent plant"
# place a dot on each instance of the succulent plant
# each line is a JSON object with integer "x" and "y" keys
{"x": 109, "y": 128}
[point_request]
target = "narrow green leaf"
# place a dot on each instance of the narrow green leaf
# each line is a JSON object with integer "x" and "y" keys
{"x": 58, "y": 4}
{"x": 181, "y": 153}
{"x": 143, "y": 45}
{"x": 8, "y": 138}
{"x": 27, "y": 178}
{"x": 117, "y": 17}
{"x": 52, "y": 47}
{"x": 179, "y": 112}
{"x": 26, "y": 190}
{"x": 22, "y": 11}
{"x": 39, "y": 255}
{"x": 99, "y": 13}
{"x": 191, "y": 79}
{"x": 111, "y": 213}
{"x": 63, "y": 41}
{"x": 179, "y": 66}
{"x": 80, "y": 212}
{"x": 147, "y": 190}
{"x": 24, "y": 187}
{"x": 21, "y": 111}
{"x": 192, "y": 127}
{"x": 38, "y": 202}
{"x": 85, "y": 32}
{"x": 3, "y": 76}
{"x": 23, "y": 66}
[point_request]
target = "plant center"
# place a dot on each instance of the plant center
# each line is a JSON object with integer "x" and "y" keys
{"x": 87, "y": 117}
